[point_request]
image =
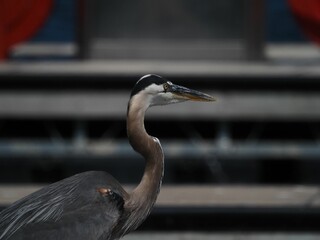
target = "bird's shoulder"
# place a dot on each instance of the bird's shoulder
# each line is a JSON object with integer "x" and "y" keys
{"x": 89, "y": 193}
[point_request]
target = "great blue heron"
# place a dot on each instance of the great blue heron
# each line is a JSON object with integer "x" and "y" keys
{"x": 93, "y": 205}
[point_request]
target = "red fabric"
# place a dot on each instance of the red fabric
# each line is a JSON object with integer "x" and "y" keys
{"x": 19, "y": 20}
{"x": 307, "y": 13}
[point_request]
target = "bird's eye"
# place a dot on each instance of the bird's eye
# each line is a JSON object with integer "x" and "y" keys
{"x": 166, "y": 87}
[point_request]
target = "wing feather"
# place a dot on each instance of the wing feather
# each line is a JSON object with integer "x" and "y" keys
{"x": 60, "y": 200}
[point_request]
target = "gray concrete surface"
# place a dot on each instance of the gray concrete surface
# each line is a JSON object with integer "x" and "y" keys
{"x": 221, "y": 236}
{"x": 209, "y": 196}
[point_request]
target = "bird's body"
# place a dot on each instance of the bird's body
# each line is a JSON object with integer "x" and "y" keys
{"x": 93, "y": 205}
{"x": 74, "y": 205}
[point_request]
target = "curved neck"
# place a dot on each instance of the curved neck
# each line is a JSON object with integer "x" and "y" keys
{"x": 145, "y": 194}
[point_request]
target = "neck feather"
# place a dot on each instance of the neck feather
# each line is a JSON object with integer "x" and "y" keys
{"x": 145, "y": 194}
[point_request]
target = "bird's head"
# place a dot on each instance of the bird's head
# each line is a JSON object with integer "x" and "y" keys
{"x": 154, "y": 90}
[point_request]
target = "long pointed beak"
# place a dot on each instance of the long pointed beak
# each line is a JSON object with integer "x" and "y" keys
{"x": 184, "y": 93}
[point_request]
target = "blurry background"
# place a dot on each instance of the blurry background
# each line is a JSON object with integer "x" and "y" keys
{"x": 246, "y": 166}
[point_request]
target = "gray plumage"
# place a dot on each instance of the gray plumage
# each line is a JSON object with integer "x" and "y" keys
{"x": 67, "y": 205}
{"x": 93, "y": 205}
